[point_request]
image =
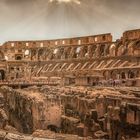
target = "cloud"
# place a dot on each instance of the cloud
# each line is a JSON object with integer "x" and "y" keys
{"x": 38, "y": 19}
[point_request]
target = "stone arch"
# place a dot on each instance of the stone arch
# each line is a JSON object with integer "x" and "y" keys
{"x": 121, "y": 50}
{"x": 83, "y": 51}
{"x": 137, "y": 73}
{"x": 131, "y": 74}
{"x": 102, "y": 50}
{"x": 73, "y": 52}
{"x": 61, "y": 52}
{"x": 78, "y": 50}
{"x": 57, "y": 53}
{"x": 106, "y": 75}
{"x": 50, "y": 55}
{"x": 131, "y": 48}
{"x": 18, "y": 57}
{"x": 94, "y": 51}
{"x": 46, "y": 53}
{"x": 112, "y": 50}
{"x": 114, "y": 74}
{"x": 33, "y": 54}
{"x": 68, "y": 52}
{"x": 2, "y": 74}
{"x": 137, "y": 48}
{"x": 97, "y": 51}
{"x": 106, "y": 50}
{"x": 1, "y": 55}
{"x": 123, "y": 75}
{"x": 27, "y": 52}
{"x": 40, "y": 54}
{"x": 65, "y": 54}
{"x": 90, "y": 51}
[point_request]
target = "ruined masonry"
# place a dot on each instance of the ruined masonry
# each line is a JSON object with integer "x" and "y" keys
{"x": 75, "y": 61}
{"x": 82, "y": 88}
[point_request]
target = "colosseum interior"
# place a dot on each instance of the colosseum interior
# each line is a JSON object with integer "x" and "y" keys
{"x": 83, "y": 88}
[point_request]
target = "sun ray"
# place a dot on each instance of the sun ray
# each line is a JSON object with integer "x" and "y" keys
{"x": 66, "y": 1}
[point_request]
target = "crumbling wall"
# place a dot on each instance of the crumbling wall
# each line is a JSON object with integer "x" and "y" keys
{"x": 100, "y": 113}
{"x": 29, "y": 111}
{"x": 96, "y": 112}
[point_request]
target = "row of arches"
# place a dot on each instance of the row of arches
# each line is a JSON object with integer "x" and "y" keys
{"x": 91, "y": 51}
{"x": 129, "y": 48}
{"x": 123, "y": 74}
{"x": 70, "y": 52}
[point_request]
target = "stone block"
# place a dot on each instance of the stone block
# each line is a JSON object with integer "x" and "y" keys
{"x": 2, "y": 135}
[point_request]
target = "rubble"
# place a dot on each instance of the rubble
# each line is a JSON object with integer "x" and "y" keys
{"x": 84, "y": 112}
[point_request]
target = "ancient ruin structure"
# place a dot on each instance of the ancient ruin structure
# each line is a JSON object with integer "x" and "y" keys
{"x": 73, "y": 89}
{"x": 80, "y": 61}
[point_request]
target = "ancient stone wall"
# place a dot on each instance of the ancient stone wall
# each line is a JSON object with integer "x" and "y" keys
{"x": 29, "y": 111}
{"x": 84, "y": 56}
{"x": 98, "y": 113}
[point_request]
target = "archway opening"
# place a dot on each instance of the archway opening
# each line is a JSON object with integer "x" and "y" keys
{"x": 2, "y": 74}
{"x": 131, "y": 74}
{"x": 53, "y": 128}
{"x": 1, "y": 56}
{"x": 114, "y": 75}
{"x": 123, "y": 75}
{"x": 18, "y": 57}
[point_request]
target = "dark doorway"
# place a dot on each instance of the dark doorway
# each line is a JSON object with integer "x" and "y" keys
{"x": 123, "y": 75}
{"x": 131, "y": 74}
{"x": 18, "y": 57}
{"x": 53, "y": 128}
{"x": 2, "y": 74}
{"x": 88, "y": 80}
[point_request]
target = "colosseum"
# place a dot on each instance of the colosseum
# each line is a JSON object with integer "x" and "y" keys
{"x": 82, "y": 88}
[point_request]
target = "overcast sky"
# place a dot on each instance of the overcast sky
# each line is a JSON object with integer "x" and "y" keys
{"x": 38, "y": 19}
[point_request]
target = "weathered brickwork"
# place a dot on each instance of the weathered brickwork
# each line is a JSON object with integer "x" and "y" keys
{"x": 86, "y": 60}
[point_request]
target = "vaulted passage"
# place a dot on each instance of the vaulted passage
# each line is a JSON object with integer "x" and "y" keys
{"x": 18, "y": 57}
{"x": 2, "y": 74}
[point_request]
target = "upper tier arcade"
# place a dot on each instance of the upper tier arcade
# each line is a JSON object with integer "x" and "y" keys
{"x": 103, "y": 38}
{"x": 87, "y": 60}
